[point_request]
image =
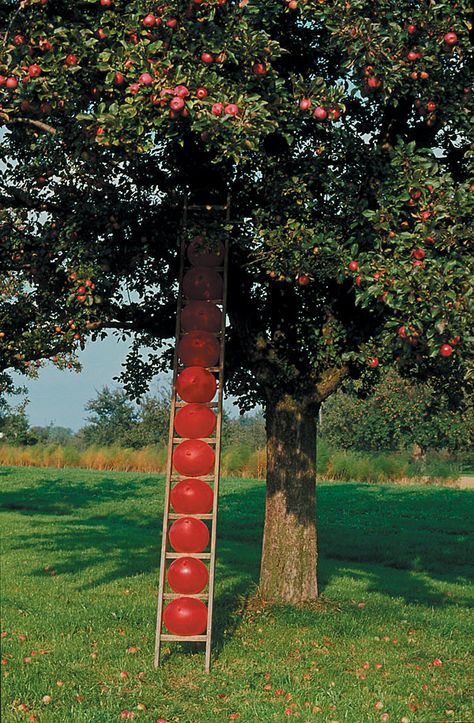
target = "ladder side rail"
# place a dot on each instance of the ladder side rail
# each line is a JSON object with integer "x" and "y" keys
{"x": 212, "y": 562}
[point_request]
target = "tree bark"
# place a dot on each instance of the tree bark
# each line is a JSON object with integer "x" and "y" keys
{"x": 289, "y": 556}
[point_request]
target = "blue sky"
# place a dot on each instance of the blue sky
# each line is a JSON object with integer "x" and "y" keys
{"x": 60, "y": 396}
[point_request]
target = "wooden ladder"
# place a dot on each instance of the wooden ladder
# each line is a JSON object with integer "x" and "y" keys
{"x": 164, "y": 595}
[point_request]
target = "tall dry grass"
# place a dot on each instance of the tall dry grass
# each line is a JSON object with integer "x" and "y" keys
{"x": 235, "y": 462}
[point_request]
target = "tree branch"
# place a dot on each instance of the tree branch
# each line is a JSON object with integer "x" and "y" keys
{"x": 330, "y": 380}
{"x": 17, "y": 198}
{"x": 28, "y": 121}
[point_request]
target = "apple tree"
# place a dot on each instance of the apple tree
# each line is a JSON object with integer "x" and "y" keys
{"x": 341, "y": 130}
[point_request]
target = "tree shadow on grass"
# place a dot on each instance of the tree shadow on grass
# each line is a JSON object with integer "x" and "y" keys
{"x": 381, "y": 535}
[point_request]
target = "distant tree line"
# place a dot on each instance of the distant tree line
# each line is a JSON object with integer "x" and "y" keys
{"x": 395, "y": 414}
{"x": 114, "y": 420}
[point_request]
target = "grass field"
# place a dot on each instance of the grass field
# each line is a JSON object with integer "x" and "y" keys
{"x": 388, "y": 641}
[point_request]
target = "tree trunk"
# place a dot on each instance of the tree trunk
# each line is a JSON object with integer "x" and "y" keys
{"x": 289, "y": 556}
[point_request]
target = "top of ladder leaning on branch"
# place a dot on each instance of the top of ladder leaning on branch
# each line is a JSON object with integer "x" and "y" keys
{"x": 186, "y": 586}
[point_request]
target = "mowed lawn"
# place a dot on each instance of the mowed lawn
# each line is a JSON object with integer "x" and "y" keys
{"x": 389, "y": 639}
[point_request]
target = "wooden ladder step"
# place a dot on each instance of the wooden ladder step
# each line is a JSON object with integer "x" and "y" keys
{"x": 209, "y": 440}
{"x": 183, "y": 638}
{"x": 211, "y": 405}
{"x": 175, "y": 595}
{"x": 204, "y": 477}
{"x": 179, "y": 516}
{"x": 197, "y": 555}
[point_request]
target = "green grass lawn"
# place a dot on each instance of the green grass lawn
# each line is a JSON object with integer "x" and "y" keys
{"x": 79, "y": 580}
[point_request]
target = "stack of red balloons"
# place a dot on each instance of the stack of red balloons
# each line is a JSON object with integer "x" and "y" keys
{"x": 201, "y": 320}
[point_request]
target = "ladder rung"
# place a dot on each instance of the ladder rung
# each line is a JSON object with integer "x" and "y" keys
{"x": 214, "y": 268}
{"x": 211, "y": 301}
{"x": 212, "y": 405}
{"x": 204, "y": 477}
{"x": 209, "y": 440}
{"x": 198, "y": 555}
{"x": 214, "y": 333}
{"x": 174, "y": 595}
{"x": 207, "y": 207}
{"x": 180, "y": 368}
{"x": 183, "y": 638}
{"x": 179, "y": 516}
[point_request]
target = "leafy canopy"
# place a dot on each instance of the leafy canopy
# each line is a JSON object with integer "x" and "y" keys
{"x": 342, "y": 131}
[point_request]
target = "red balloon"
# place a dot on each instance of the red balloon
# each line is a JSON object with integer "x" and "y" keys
{"x": 193, "y": 457}
{"x": 188, "y": 576}
{"x": 189, "y": 534}
{"x": 185, "y": 616}
{"x": 202, "y": 316}
{"x": 199, "y": 348}
{"x": 202, "y": 283}
{"x": 204, "y": 252}
{"x": 192, "y": 497}
{"x": 195, "y": 421}
{"x": 196, "y": 384}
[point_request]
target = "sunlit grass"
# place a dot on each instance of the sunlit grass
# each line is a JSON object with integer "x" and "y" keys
{"x": 79, "y": 578}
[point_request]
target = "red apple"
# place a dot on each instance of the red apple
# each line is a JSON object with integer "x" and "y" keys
{"x": 101, "y": 34}
{"x": 81, "y": 290}
{"x": 411, "y": 29}
{"x": 206, "y": 58}
{"x": 305, "y": 103}
{"x": 259, "y": 69}
{"x": 201, "y": 93}
{"x": 402, "y": 332}
{"x": 431, "y": 106}
{"x": 374, "y": 362}
{"x": 374, "y": 82}
{"x": 176, "y": 104}
{"x": 149, "y": 20}
{"x": 145, "y": 79}
{"x": 11, "y": 83}
{"x": 358, "y": 280}
{"x": 450, "y": 38}
{"x": 181, "y": 91}
{"x": 304, "y": 279}
{"x": 217, "y": 108}
{"x": 418, "y": 254}
{"x": 320, "y": 113}
{"x": 231, "y": 109}
{"x": 353, "y": 266}
{"x": 34, "y": 70}
{"x": 412, "y": 55}
{"x": 71, "y": 59}
{"x": 119, "y": 78}
{"x": 446, "y": 350}
{"x": 134, "y": 88}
